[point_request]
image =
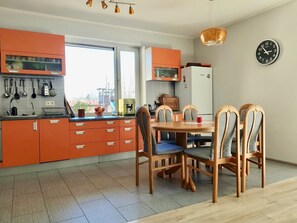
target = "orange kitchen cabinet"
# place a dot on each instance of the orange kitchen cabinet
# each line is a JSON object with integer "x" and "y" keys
{"x": 87, "y": 135}
{"x": 163, "y": 64}
{"x": 20, "y": 142}
{"x": 54, "y": 139}
{"x": 178, "y": 117}
{"x": 127, "y": 135}
{"x": 26, "y": 52}
{"x": 110, "y": 147}
{"x": 86, "y": 125}
{"x": 86, "y": 149}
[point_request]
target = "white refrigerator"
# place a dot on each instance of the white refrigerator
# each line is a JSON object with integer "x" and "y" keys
{"x": 195, "y": 88}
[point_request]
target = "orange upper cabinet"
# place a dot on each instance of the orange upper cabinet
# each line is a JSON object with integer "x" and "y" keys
{"x": 163, "y": 64}
{"x": 27, "y": 52}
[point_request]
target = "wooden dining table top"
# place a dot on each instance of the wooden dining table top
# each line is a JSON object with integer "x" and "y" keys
{"x": 182, "y": 126}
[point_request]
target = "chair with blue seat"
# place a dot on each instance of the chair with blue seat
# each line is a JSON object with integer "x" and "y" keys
{"x": 164, "y": 114}
{"x": 152, "y": 151}
{"x": 190, "y": 114}
{"x": 253, "y": 141}
{"x": 219, "y": 153}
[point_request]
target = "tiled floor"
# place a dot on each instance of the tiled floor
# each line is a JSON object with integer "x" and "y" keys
{"x": 106, "y": 192}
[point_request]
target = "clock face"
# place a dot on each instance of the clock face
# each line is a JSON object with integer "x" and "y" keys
{"x": 267, "y": 52}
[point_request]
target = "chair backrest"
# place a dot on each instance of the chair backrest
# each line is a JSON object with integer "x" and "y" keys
{"x": 226, "y": 123}
{"x": 253, "y": 124}
{"x": 190, "y": 113}
{"x": 242, "y": 110}
{"x": 164, "y": 114}
{"x": 143, "y": 123}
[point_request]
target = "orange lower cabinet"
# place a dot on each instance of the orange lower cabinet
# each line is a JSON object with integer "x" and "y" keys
{"x": 54, "y": 139}
{"x": 87, "y": 149}
{"x": 112, "y": 133}
{"x": 111, "y": 147}
{"x": 127, "y": 145}
{"x": 20, "y": 142}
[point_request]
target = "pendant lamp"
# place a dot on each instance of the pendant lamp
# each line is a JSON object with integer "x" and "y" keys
{"x": 213, "y": 35}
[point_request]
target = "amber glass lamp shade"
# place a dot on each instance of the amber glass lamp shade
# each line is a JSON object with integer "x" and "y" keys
{"x": 89, "y": 3}
{"x": 131, "y": 10}
{"x": 117, "y": 9}
{"x": 104, "y": 5}
{"x": 213, "y": 36}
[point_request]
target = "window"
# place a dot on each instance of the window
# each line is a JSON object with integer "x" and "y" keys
{"x": 98, "y": 76}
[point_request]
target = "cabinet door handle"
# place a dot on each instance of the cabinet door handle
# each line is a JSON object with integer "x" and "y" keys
{"x": 110, "y": 122}
{"x": 79, "y": 124}
{"x": 80, "y": 146}
{"x": 13, "y": 71}
{"x": 56, "y": 121}
{"x": 110, "y": 130}
{"x": 35, "y": 127}
{"x": 127, "y": 129}
{"x": 110, "y": 143}
{"x": 128, "y": 141}
{"x": 80, "y": 132}
{"x": 127, "y": 121}
{"x": 55, "y": 72}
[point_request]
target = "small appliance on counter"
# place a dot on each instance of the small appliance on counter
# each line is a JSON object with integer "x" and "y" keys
{"x": 53, "y": 111}
{"x": 127, "y": 106}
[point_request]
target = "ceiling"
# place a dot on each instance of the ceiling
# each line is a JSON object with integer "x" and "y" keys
{"x": 178, "y": 17}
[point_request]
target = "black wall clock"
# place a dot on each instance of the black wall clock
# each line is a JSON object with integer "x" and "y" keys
{"x": 267, "y": 52}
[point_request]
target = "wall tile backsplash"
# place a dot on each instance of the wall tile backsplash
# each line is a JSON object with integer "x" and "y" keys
{"x": 156, "y": 88}
{"x": 24, "y": 104}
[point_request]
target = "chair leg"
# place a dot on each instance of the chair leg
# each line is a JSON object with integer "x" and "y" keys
{"x": 182, "y": 170}
{"x": 263, "y": 172}
{"x": 215, "y": 184}
{"x": 193, "y": 164}
{"x": 137, "y": 169}
{"x": 170, "y": 162}
{"x": 186, "y": 172}
{"x": 151, "y": 179}
{"x": 244, "y": 171}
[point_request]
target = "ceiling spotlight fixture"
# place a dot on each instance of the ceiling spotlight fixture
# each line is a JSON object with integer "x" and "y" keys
{"x": 131, "y": 10}
{"x": 213, "y": 35}
{"x": 117, "y": 9}
{"x": 103, "y": 4}
{"x": 89, "y": 3}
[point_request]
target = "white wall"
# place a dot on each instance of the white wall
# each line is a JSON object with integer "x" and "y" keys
{"x": 239, "y": 79}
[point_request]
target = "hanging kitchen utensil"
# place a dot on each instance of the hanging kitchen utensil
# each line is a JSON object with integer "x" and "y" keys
{"x": 20, "y": 88}
{"x": 16, "y": 94}
{"x": 6, "y": 93}
{"x": 45, "y": 89}
{"x": 38, "y": 87}
{"x": 10, "y": 86}
{"x": 52, "y": 90}
{"x": 33, "y": 94}
{"x": 24, "y": 91}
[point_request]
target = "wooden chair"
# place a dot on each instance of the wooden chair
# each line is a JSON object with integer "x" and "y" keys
{"x": 152, "y": 151}
{"x": 253, "y": 142}
{"x": 219, "y": 154}
{"x": 190, "y": 113}
{"x": 164, "y": 114}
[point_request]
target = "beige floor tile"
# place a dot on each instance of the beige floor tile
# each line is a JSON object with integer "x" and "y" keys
{"x": 55, "y": 189}
{"x": 28, "y": 203}
{"x": 75, "y": 179}
{"x": 63, "y": 208}
{"x": 89, "y": 170}
{"x": 26, "y": 186}
{"x": 5, "y": 214}
{"x": 115, "y": 171}
{"x": 40, "y": 217}
{"x": 6, "y": 182}
{"x": 135, "y": 211}
{"x": 119, "y": 196}
{"x": 69, "y": 170}
{"x": 101, "y": 211}
{"x": 20, "y": 178}
{"x": 103, "y": 181}
{"x": 75, "y": 220}
{"x": 6, "y": 197}
{"x": 85, "y": 192}
{"x": 49, "y": 176}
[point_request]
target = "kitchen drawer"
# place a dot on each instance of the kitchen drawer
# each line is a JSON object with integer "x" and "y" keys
{"x": 127, "y": 132}
{"x": 86, "y": 149}
{"x": 127, "y": 122}
{"x": 87, "y": 135}
{"x": 86, "y": 125}
{"x": 110, "y": 123}
{"x": 127, "y": 145}
{"x": 112, "y": 146}
{"x": 111, "y": 133}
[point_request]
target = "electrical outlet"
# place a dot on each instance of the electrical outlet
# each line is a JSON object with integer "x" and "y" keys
{"x": 49, "y": 103}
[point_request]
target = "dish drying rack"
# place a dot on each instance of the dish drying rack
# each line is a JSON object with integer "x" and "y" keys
{"x": 53, "y": 111}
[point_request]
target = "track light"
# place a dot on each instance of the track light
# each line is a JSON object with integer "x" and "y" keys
{"x": 103, "y": 4}
{"x": 89, "y": 3}
{"x": 117, "y": 9}
{"x": 131, "y": 10}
